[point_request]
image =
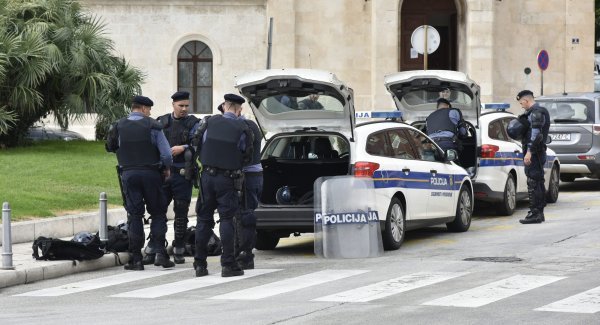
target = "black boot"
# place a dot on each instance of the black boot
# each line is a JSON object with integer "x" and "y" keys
{"x": 135, "y": 262}
{"x": 246, "y": 261}
{"x": 178, "y": 255}
{"x": 233, "y": 270}
{"x": 149, "y": 259}
{"x": 200, "y": 269}
{"x": 534, "y": 217}
{"x": 162, "y": 259}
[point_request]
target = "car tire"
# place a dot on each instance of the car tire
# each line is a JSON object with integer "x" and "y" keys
{"x": 567, "y": 178}
{"x": 395, "y": 226}
{"x": 464, "y": 212}
{"x": 266, "y": 241}
{"x": 509, "y": 200}
{"x": 553, "y": 186}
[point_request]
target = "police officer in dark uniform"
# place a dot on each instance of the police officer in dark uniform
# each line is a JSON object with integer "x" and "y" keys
{"x": 178, "y": 127}
{"x": 537, "y": 119}
{"x": 253, "y": 185}
{"x": 445, "y": 125}
{"x": 224, "y": 143}
{"x": 144, "y": 158}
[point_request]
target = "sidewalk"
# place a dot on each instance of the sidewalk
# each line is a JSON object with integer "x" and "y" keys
{"x": 27, "y": 269}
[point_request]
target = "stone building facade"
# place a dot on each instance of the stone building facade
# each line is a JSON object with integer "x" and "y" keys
{"x": 361, "y": 41}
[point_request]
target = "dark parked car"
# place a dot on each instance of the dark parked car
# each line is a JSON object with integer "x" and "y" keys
{"x": 575, "y": 133}
{"x": 38, "y": 133}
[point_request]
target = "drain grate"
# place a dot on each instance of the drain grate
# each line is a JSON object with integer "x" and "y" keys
{"x": 495, "y": 259}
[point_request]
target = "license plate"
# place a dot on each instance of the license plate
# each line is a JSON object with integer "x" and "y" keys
{"x": 560, "y": 136}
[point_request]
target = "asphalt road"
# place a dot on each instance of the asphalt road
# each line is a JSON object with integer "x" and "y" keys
{"x": 499, "y": 272}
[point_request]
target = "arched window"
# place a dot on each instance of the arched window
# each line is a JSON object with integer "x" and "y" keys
{"x": 195, "y": 75}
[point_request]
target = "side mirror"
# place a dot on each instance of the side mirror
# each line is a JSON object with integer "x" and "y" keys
{"x": 451, "y": 155}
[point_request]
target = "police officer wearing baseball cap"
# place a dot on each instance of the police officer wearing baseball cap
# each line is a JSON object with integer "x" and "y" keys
{"x": 178, "y": 127}
{"x": 226, "y": 145}
{"x": 143, "y": 153}
{"x": 537, "y": 121}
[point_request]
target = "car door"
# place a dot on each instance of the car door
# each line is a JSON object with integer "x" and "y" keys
{"x": 511, "y": 150}
{"x": 434, "y": 174}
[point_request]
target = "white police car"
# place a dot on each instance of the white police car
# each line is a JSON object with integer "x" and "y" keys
{"x": 308, "y": 118}
{"x": 494, "y": 160}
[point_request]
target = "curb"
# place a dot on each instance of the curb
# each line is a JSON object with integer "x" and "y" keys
{"x": 55, "y": 269}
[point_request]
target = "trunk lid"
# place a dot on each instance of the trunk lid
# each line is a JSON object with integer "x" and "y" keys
{"x": 415, "y": 93}
{"x": 288, "y": 100}
{"x": 571, "y": 124}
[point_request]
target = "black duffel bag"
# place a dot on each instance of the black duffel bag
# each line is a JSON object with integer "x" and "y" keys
{"x": 58, "y": 249}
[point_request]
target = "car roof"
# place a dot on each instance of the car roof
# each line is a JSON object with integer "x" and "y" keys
{"x": 587, "y": 95}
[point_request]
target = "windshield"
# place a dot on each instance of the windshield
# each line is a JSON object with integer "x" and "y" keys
{"x": 283, "y": 103}
{"x": 570, "y": 111}
{"x": 430, "y": 96}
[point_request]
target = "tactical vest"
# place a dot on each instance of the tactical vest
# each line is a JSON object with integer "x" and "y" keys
{"x": 256, "y": 144}
{"x": 545, "y": 127}
{"x": 177, "y": 131}
{"x": 220, "y": 148}
{"x": 440, "y": 121}
{"x": 136, "y": 149}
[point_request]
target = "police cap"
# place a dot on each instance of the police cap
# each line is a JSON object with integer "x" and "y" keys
{"x": 234, "y": 98}
{"x": 524, "y": 93}
{"x": 143, "y": 100}
{"x": 180, "y": 95}
{"x": 443, "y": 100}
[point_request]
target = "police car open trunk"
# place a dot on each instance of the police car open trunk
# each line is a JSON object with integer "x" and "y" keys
{"x": 415, "y": 94}
{"x": 307, "y": 118}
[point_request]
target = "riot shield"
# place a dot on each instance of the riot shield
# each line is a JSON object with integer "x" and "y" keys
{"x": 346, "y": 219}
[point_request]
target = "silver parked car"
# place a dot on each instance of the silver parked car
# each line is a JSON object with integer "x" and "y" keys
{"x": 575, "y": 133}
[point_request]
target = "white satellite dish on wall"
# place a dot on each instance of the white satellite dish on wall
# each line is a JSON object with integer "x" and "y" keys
{"x": 417, "y": 39}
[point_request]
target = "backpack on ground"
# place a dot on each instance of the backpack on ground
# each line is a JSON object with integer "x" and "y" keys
{"x": 214, "y": 247}
{"x": 118, "y": 239}
{"x": 58, "y": 249}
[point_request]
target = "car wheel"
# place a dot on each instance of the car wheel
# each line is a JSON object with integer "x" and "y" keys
{"x": 552, "y": 193}
{"x": 266, "y": 240}
{"x": 509, "y": 200}
{"x": 395, "y": 226}
{"x": 567, "y": 178}
{"x": 464, "y": 212}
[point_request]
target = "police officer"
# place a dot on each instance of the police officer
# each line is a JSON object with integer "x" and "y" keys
{"x": 142, "y": 152}
{"x": 534, "y": 148}
{"x": 444, "y": 125}
{"x": 178, "y": 128}
{"x": 225, "y": 147}
{"x": 253, "y": 185}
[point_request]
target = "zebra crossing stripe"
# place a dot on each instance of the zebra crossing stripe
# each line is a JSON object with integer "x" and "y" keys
{"x": 190, "y": 284}
{"x": 288, "y": 285}
{"x": 494, "y": 291}
{"x": 391, "y": 287}
{"x": 587, "y": 302}
{"x": 98, "y": 283}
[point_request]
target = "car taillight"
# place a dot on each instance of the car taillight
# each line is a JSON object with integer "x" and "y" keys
{"x": 596, "y": 129}
{"x": 489, "y": 150}
{"x": 365, "y": 168}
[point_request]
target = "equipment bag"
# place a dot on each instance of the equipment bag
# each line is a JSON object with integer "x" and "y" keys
{"x": 58, "y": 249}
{"x": 118, "y": 239}
{"x": 214, "y": 247}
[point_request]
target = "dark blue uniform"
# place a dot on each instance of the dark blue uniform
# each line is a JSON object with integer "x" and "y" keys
{"x": 535, "y": 142}
{"x": 442, "y": 128}
{"x": 253, "y": 185}
{"x": 142, "y": 151}
{"x": 178, "y": 187}
{"x": 222, "y": 153}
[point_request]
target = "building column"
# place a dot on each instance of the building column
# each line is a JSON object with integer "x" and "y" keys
{"x": 384, "y": 51}
{"x": 283, "y": 51}
{"x": 479, "y": 47}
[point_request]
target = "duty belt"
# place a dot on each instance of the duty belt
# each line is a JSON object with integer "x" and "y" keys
{"x": 212, "y": 171}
